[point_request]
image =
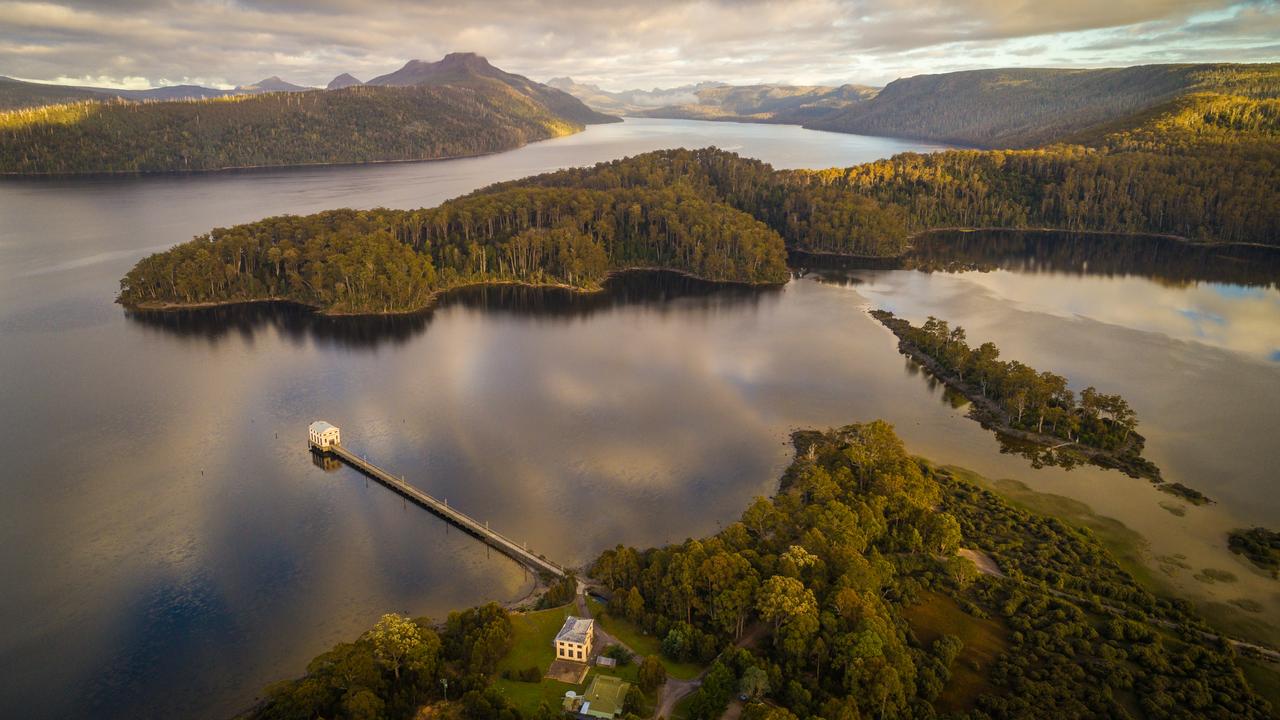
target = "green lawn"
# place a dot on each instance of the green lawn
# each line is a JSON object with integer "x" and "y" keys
{"x": 535, "y": 636}
{"x": 533, "y": 646}
{"x": 984, "y": 640}
{"x": 639, "y": 642}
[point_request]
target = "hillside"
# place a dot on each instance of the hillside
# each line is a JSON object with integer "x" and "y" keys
{"x": 472, "y": 71}
{"x": 1018, "y": 108}
{"x": 462, "y": 114}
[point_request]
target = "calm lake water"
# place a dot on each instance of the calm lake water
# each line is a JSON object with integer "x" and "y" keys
{"x": 168, "y": 545}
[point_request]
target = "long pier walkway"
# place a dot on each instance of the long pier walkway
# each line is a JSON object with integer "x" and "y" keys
{"x": 495, "y": 539}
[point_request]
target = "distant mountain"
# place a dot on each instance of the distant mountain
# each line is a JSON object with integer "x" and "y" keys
{"x": 720, "y": 101}
{"x": 457, "y": 107}
{"x": 342, "y": 81}
{"x": 171, "y": 92}
{"x": 1015, "y": 108}
{"x": 15, "y": 94}
{"x": 271, "y": 84}
{"x": 471, "y": 70}
{"x": 630, "y": 102}
{"x": 792, "y": 104}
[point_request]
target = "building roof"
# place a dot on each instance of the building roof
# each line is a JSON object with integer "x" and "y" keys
{"x": 320, "y": 426}
{"x": 575, "y": 630}
{"x": 605, "y": 696}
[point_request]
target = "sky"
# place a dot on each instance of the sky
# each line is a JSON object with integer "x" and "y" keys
{"x": 618, "y": 45}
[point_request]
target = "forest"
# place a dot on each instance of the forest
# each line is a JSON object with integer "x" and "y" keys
{"x": 824, "y": 601}
{"x": 1206, "y": 170}
{"x": 387, "y": 261}
{"x": 351, "y": 125}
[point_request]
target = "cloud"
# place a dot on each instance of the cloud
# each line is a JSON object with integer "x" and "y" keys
{"x": 618, "y": 45}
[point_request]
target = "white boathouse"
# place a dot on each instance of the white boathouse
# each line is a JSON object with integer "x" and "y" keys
{"x": 323, "y": 435}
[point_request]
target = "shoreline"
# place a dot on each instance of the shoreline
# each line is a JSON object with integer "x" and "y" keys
{"x": 897, "y": 257}
{"x": 433, "y": 299}
{"x": 230, "y": 169}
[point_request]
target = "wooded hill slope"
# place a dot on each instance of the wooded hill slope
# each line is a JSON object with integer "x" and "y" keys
{"x": 465, "y": 107}
{"x": 1020, "y": 108}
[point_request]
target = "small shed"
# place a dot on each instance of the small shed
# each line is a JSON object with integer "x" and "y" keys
{"x": 323, "y": 436}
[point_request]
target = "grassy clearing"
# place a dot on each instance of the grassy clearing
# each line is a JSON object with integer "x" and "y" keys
{"x": 529, "y": 696}
{"x": 642, "y": 644}
{"x": 533, "y": 646}
{"x": 984, "y": 640}
{"x": 534, "y": 642}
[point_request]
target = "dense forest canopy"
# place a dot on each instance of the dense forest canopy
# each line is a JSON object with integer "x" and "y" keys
{"x": 845, "y": 596}
{"x": 398, "y": 260}
{"x": 473, "y": 108}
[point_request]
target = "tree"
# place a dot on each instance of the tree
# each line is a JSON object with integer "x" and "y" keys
{"x": 651, "y": 674}
{"x": 783, "y": 598}
{"x": 634, "y": 700}
{"x": 362, "y": 704}
{"x": 634, "y": 605}
{"x": 754, "y": 682}
{"x": 400, "y": 645}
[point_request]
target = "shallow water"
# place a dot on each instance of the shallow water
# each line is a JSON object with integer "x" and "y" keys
{"x": 169, "y": 546}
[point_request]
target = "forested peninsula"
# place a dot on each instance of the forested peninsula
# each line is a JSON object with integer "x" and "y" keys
{"x": 849, "y": 594}
{"x": 389, "y": 261}
{"x": 1205, "y": 169}
{"x": 1036, "y": 409}
{"x": 459, "y": 106}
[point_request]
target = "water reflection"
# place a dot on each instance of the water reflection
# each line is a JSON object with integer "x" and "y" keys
{"x": 297, "y": 324}
{"x": 1166, "y": 260}
{"x": 1222, "y": 296}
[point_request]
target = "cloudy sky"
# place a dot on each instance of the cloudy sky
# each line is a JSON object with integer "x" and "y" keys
{"x": 143, "y": 43}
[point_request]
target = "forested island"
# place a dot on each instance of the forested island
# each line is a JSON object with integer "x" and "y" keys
{"x": 459, "y": 106}
{"x": 849, "y": 594}
{"x": 1036, "y": 408}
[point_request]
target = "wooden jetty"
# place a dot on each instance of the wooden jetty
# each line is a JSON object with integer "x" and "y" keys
{"x": 495, "y": 539}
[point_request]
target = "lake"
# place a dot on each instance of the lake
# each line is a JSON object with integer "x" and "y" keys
{"x": 169, "y": 545}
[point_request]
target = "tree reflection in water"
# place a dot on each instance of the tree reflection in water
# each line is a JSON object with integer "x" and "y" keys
{"x": 299, "y": 324}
